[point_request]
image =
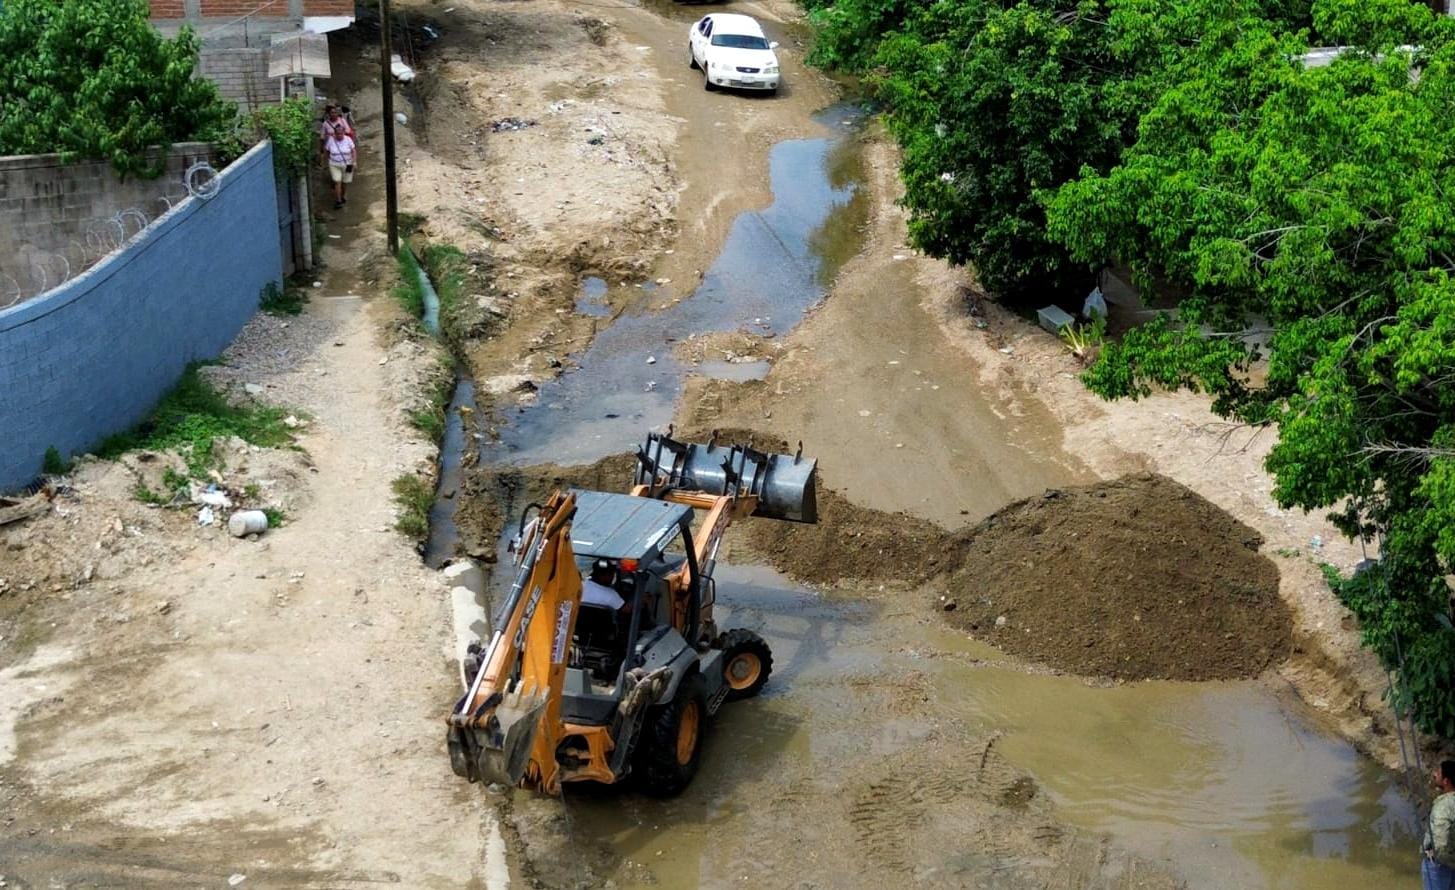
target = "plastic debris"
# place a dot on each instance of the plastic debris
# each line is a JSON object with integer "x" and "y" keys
{"x": 401, "y": 71}
{"x": 205, "y": 516}
{"x": 510, "y": 124}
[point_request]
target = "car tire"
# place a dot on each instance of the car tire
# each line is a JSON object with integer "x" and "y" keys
{"x": 691, "y": 58}
{"x": 707, "y": 81}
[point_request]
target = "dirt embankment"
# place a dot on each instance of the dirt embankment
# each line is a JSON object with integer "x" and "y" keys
{"x": 533, "y": 146}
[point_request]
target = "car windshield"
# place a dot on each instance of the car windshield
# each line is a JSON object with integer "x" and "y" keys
{"x": 739, "y": 41}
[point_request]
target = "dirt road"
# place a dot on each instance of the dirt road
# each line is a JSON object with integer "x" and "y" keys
{"x": 181, "y": 708}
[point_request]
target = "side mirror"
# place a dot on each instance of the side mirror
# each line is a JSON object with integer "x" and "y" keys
{"x": 773, "y": 45}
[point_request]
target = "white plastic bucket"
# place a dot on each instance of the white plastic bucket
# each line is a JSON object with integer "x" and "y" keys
{"x": 247, "y": 522}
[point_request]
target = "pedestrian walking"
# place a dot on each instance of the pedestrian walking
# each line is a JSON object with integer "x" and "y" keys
{"x": 1438, "y": 867}
{"x": 342, "y": 156}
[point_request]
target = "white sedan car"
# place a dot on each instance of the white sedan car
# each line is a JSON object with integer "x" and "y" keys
{"x": 732, "y": 52}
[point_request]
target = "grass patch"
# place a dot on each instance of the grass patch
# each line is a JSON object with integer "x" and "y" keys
{"x": 408, "y": 291}
{"x": 147, "y": 496}
{"x": 53, "y": 464}
{"x": 449, "y": 270}
{"x": 276, "y": 516}
{"x": 191, "y": 417}
{"x": 288, "y": 301}
{"x": 430, "y": 419}
{"x": 414, "y": 497}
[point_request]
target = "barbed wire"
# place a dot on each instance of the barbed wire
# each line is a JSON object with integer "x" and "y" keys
{"x": 44, "y": 270}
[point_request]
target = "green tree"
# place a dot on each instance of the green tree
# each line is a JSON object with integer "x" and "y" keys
{"x": 995, "y": 103}
{"x": 92, "y": 79}
{"x": 1313, "y": 204}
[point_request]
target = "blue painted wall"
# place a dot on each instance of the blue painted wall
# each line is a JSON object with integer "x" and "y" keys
{"x": 93, "y": 356}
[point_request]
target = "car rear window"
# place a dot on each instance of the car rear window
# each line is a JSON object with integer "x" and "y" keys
{"x": 739, "y": 41}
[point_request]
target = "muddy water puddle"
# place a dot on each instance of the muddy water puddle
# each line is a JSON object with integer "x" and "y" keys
{"x": 1224, "y": 784}
{"x": 776, "y": 264}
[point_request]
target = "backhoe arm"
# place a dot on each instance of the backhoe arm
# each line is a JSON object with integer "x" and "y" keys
{"x": 508, "y": 723}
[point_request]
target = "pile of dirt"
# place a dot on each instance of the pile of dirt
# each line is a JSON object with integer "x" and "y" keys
{"x": 1137, "y": 578}
{"x": 494, "y": 495}
{"x": 851, "y": 543}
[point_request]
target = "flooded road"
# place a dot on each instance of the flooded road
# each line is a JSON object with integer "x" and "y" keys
{"x": 1225, "y": 785}
{"x": 776, "y": 264}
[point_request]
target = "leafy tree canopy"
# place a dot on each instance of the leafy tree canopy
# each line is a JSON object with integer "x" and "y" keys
{"x": 996, "y": 102}
{"x": 1314, "y": 204}
{"x": 93, "y": 79}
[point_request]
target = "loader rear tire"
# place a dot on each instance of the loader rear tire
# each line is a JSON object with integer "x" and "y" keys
{"x": 746, "y": 663}
{"x": 671, "y": 744}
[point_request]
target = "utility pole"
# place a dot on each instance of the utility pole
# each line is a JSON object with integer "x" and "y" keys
{"x": 386, "y": 77}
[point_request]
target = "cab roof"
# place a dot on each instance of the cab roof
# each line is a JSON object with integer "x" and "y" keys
{"x": 622, "y": 526}
{"x": 735, "y": 23}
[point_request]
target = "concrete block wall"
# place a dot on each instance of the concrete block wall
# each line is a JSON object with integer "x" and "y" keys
{"x": 93, "y": 357}
{"x": 241, "y": 74}
{"x": 47, "y": 210}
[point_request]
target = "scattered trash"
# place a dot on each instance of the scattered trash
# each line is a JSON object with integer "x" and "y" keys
{"x": 253, "y": 389}
{"x": 1316, "y": 543}
{"x": 211, "y": 496}
{"x": 510, "y": 124}
{"x": 1006, "y": 350}
{"x": 205, "y": 516}
{"x": 401, "y": 117}
{"x": 164, "y": 606}
{"x": 318, "y": 284}
{"x": 1095, "y": 305}
{"x": 1001, "y": 621}
{"x": 651, "y": 359}
{"x": 947, "y": 604}
{"x": 292, "y": 422}
{"x": 980, "y": 324}
{"x": 247, "y": 522}
{"x": 651, "y": 385}
{"x": 430, "y": 32}
{"x": 236, "y": 879}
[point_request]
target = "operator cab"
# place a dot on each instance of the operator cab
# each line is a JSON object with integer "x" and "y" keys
{"x": 632, "y": 545}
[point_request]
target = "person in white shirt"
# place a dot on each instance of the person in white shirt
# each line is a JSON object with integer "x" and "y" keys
{"x": 342, "y": 155}
{"x": 597, "y": 590}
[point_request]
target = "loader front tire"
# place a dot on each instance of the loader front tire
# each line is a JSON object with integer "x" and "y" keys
{"x": 746, "y": 663}
{"x": 671, "y": 744}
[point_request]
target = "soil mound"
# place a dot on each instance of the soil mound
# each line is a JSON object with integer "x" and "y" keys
{"x": 852, "y": 543}
{"x": 1137, "y": 578}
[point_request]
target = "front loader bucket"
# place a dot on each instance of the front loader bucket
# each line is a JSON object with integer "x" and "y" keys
{"x": 783, "y": 484}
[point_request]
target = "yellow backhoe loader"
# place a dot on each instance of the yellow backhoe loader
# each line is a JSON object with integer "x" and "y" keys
{"x": 575, "y": 688}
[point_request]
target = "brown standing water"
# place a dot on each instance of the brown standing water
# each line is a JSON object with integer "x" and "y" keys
{"x": 1221, "y": 784}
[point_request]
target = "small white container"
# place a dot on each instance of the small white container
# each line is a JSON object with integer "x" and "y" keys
{"x": 247, "y": 522}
